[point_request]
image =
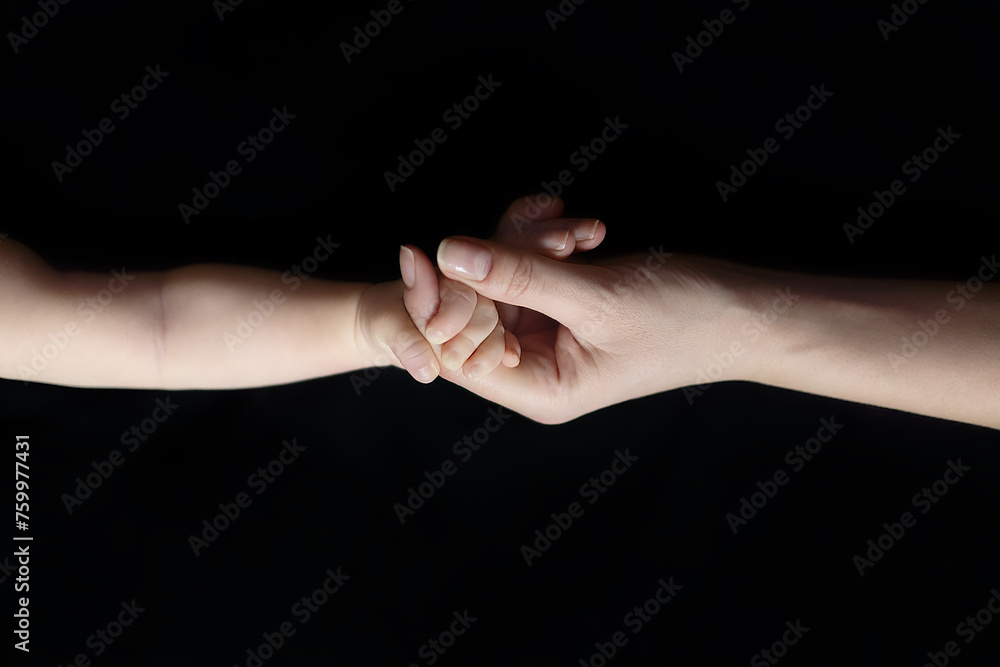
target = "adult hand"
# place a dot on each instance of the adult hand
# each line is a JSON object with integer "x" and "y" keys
{"x": 591, "y": 335}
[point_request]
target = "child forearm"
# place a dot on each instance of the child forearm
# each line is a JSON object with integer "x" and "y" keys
{"x": 194, "y": 327}
{"x": 230, "y": 327}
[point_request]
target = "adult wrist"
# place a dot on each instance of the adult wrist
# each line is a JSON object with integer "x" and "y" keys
{"x": 746, "y": 312}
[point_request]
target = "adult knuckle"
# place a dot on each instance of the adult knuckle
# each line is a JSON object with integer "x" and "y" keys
{"x": 520, "y": 279}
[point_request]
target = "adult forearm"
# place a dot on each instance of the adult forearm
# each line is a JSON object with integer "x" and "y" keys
{"x": 928, "y": 347}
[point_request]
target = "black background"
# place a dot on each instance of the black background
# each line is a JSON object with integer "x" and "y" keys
{"x": 323, "y": 176}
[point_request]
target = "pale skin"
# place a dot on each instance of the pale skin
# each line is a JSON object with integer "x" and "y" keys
{"x": 177, "y": 329}
{"x": 596, "y": 334}
{"x": 586, "y": 335}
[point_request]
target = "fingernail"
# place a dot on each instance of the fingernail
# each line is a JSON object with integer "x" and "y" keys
{"x": 452, "y": 360}
{"x": 407, "y": 266}
{"x": 435, "y": 336}
{"x": 475, "y": 371}
{"x": 556, "y": 242}
{"x": 426, "y": 374}
{"x": 587, "y": 233}
{"x": 465, "y": 259}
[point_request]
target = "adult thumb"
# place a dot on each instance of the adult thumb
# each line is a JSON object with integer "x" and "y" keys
{"x": 519, "y": 277}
